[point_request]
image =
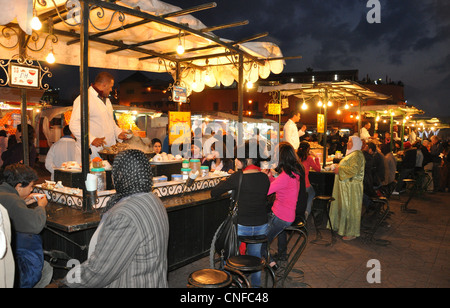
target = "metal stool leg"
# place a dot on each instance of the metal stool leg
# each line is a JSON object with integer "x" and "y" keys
{"x": 318, "y": 239}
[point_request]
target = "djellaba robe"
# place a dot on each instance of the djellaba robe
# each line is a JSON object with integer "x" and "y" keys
{"x": 345, "y": 211}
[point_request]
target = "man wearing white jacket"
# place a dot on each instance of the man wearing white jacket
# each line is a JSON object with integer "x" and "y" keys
{"x": 64, "y": 150}
{"x": 290, "y": 131}
{"x": 103, "y": 130}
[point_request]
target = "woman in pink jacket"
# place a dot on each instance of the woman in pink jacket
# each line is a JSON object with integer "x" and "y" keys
{"x": 286, "y": 187}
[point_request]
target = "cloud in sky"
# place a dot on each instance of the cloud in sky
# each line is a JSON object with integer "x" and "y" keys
{"x": 411, "y": 44}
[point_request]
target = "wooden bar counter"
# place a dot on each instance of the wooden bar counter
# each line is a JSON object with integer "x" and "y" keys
{"x": 193, "y": 220}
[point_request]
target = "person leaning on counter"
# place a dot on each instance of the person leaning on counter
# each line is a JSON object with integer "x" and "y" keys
{"x": 103, "y": 130}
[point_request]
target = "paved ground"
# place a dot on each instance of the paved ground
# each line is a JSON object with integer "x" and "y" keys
{"x": 418, "y": 256}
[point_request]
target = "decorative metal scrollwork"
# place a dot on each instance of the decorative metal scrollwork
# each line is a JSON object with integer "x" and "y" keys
{"x": 5, "y": 64}
{"x": 74, "y": 10}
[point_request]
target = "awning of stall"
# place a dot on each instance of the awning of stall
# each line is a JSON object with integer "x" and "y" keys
{"x": 12, "y": 95}
{"x": 387, "y": 110}
{"x": 140, "y": 35}
{"x": 232, "y": 117}
{"x": 339, "y": 90}
{"x": 51, "y": 112}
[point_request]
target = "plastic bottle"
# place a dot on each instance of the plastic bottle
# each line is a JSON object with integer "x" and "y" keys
{"x": 195, "y": 165}
{"x": 101, "y": 178}
{"x": 205, "y": 171}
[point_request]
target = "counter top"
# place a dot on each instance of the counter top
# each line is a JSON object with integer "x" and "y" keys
{"x": 68, "y": 219}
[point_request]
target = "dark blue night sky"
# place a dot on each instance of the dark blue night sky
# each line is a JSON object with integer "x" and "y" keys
{"x": 410, "y": 44}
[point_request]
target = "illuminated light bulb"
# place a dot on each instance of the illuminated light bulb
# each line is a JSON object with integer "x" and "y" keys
{"x": 351, "y": 116}
{"x": 377, "y": 119}
{"x": 180, "y": 49}
{"x": 346, "y": 106}
{"x": 357, "y": 117}
{"x": 36, "y": 23}
{"x": 50, "y": 57}
{"x": 249, "y": 85}
{"x": 319, "y": 104}
{"x": 304, "y": 106}
{"x": 338, "y": 111}
{"x": 330, "y": 103}
{"x": 384, "y": 121}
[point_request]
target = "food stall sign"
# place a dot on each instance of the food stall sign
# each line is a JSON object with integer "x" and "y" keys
{"x": 179, "y": 127}
{"x": 179, "y": 94}
{"x": 320, "y": 123}
{"x": 274, "y": 109}
{"x": 22, "y": 76}
{"x": 284, "y": 103}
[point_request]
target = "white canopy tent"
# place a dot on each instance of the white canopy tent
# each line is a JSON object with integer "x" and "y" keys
{"x": 138, "y": 35}
{"x": 144, "y": 41}
{"x": 325, "y": 91}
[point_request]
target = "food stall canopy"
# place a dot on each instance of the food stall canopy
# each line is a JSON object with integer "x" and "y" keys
{"x": 387, "y": 110}
{"x": 140, "y": 35}
{"x": 12, "y": 95}
{"x": 339, "y": 90}
{"x": 232, "y": 117}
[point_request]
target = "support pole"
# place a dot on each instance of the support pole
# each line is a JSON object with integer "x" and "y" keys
{"x": 359, "y": 117}
{"x": 84, "y": 103}
{"x": 391, "y": 128}
{"x": 240, "y": 128}
{"x": 325, "y": 129}
{"x": 23, "y": 105}
{"x": 177, "y": 79}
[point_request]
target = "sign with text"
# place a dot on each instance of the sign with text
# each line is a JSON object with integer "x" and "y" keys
{"x": 22, "y": 76}
{"x": 320, "y": 123}
{"x": 179, "y": 127}
{"x": 274, "y": 109}
{"x": 179, "y": 94}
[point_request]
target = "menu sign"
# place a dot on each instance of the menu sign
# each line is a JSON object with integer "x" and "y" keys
{"x": 22, "y": 76}
{"x": 179, "y": 127}
{"x": 274, "y": 109}
{"x": 320, "y": 123}
{"x": 179, "y": 94}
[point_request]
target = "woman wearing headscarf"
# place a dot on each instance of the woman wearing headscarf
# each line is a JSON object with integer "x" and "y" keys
{"x": 345, "y": 212}
{"x": 129, "y": 247}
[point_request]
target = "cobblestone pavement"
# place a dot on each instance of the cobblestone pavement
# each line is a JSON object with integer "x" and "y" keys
{"x": 418, "y": 255}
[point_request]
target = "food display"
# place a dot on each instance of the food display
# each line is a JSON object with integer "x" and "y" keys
{"x": 116, "y": 148}
{"x": 164, "y": 157}
{"x": 70, "y": 165}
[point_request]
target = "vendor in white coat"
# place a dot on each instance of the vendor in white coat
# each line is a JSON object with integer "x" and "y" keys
{"x": 103, "y": 130}
{"x": 291, "y": 133}
{"x": 64, "y": 150}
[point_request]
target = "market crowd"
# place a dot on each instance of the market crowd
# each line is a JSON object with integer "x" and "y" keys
{"x": 129, "y": 248}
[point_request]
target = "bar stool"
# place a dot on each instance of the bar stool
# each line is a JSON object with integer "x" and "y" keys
{"x": 246, "y": 265}
{"x": 382, "y": 214}
{"x": 256, "y": 239}
{"x": 297, "y": 240}
{"x": 318, "y": 240}
{"x": 209, "y": 278}
{"x": 410, "y": 185}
